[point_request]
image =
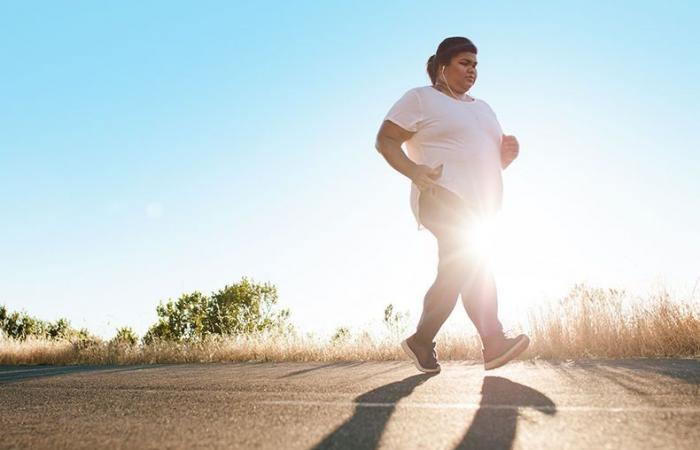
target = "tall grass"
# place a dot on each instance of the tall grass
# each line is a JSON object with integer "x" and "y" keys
{"x": 609, "y": 323}
{"x": 586, "y": 323}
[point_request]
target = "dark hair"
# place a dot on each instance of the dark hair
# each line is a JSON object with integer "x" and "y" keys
{"x": 447, "y": 49}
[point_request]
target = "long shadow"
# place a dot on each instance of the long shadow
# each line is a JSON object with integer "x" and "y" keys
{"x": 495, "y": 422}
{"x": 640, "y": 377}
{"x": 319, "y": 367}
{"x": 372, "y": 412}
{"x": 684, "y": 370}
{"x": 13, "y": 374}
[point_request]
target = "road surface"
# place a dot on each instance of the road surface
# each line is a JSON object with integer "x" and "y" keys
{"x": 627, "y": 404}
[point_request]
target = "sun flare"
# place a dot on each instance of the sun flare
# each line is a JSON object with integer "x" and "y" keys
{"x": 481, "y": 237}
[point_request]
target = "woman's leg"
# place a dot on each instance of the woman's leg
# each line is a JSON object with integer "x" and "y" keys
{"x": 480, "y": 300}
{"x": 442, "y": 296}
{"x": 443, "y": 215}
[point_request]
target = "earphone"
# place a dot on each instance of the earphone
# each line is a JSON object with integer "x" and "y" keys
{"x": 446, "y": 83}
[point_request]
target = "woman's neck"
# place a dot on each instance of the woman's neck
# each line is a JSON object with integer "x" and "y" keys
{"x": 445, "y": 89}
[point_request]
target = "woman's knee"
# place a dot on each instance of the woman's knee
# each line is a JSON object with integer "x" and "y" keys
{"x": 453, "y": 279}
{"x": 441, "y": 302}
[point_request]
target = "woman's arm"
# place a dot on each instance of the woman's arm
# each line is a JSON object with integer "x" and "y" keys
{"x": 389, "y": 140}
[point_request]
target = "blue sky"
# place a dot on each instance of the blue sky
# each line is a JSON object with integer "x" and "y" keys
{"x": 149, "y": 150}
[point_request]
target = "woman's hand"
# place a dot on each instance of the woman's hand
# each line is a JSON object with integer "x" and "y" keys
{"x": 509, "y": 150}
{"x": 424, "y": 176}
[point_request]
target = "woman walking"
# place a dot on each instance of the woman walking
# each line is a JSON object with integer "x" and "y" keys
{"x": 456, "y": 152}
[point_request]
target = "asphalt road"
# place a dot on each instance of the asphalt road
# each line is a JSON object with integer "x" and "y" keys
{"x": 633, "y": 404}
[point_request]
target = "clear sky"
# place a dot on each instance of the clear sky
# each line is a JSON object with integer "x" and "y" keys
{"x": 153, "y": 148}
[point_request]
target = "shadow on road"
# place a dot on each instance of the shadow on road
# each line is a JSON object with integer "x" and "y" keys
{"x": 493, "y": 427}
{"x": 495, "y": 422}
{"x": 372, "y": 412}
{"x": 635, "y": 370}
{"x": 319, "y": 367}
{"x": 11, "y": 374}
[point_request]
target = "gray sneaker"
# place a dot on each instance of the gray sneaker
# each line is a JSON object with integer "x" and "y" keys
{"x": 424, "y": 357}
{"x": 500, "y": 349}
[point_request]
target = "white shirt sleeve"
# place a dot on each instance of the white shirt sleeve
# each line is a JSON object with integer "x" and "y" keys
{"x": 406, "y": 112}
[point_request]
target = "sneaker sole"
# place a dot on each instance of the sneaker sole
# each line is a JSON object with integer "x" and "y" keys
{"x": 414, "y": 358}
{"x": 507, "y": 356}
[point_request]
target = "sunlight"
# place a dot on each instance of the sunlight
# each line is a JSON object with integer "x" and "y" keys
{"x": 482, "y": 237}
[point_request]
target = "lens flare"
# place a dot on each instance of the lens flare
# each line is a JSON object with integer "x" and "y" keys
{"x": 481, "y": 237}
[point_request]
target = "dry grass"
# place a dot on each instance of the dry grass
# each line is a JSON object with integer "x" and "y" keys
{"x": 262, "y": 347}
{"x": 609, "y": 323}
{"x": 587, "y": 323}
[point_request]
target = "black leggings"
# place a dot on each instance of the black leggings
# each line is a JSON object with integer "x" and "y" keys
{"x": 461, "y": 271}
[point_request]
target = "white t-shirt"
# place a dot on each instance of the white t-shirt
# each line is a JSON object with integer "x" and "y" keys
{"x": 463, "y": 136}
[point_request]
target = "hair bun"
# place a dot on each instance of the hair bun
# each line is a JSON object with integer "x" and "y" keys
{"x": 430, "y": 67}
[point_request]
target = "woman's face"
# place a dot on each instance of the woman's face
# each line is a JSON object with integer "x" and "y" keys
{"x": 461, "y": 72}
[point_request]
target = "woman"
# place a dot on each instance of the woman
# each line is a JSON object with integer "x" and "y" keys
{"x": 456, "y": 152}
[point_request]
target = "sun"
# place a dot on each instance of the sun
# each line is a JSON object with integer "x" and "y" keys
{"x": 481, "y": 237}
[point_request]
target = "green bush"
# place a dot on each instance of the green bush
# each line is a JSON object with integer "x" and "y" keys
{"x": 20, "y": 325}
{"x": 183, "y": 319}
{"x": 241, "y": 308}
{"x": 125, "y": 337}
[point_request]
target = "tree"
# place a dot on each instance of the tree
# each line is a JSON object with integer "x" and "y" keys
{"x": 183, "y": 319}
{"x": 20, "y": 325}
{"x": 61, "y": 329}
{"x": 242, "y": 308}
{"x": 245, "y": 308}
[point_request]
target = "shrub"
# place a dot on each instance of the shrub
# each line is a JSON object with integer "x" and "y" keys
{"x": 20, "y": 325}
{"x": 341, "y": 335}
{"x": 242, "y": 308}
{"x": 125, "y": 336}
{"x": 395, "y": 321}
